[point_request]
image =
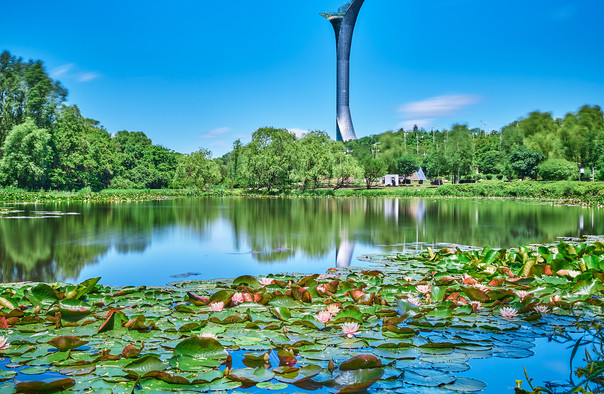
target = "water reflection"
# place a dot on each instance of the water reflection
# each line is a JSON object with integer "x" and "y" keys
{"x": 272, "y": 232}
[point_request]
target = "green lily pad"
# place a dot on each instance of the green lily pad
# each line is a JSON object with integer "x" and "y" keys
{"x": 67, "y": 342}
{"x": 145, "y": 365}
{"x": 466, "y": 385}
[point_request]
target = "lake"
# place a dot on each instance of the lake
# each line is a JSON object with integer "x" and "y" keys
{"x": 157, "y": 242}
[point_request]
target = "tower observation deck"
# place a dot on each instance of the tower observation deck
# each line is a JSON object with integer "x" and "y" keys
{"x": 343, "y": 22}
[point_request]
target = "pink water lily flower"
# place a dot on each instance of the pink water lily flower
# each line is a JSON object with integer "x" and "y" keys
{"x": 555, "y": 298}
{"x": 350, "y": 329}
{"x": 541, "y": 309}
{"x": 208, "y": 335}
{"x": 4, "y": 343}
{"x": 266, "y": 281}
{"x": 424, "y": 289}
{"x": 522, "y": 294}
{"x": 333, "y": 309}
{"x": 476, "y": 305}
{"x": 323, "y": 317}
{"x": 413, "y": 300}
{"x": 508, "y": 312}
{"x": 571, "y": 273}
{"x": 217, "y": 306}
{"x": 237, "y": 298}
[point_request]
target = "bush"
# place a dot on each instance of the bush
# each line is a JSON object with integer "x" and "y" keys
{"x": 122, "y": 183}
{"x": 558, "y": 170}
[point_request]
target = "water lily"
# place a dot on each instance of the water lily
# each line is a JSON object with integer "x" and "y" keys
{"x": 407, "y": 278}
{"x": 490, "y": 270}
{"x": 4, "y": 343}
{"x": 333, "y": 309}
{"x": 414, "y": 300}
{"x": 476, "y": 305}
{"x": 237, "y": 298}
{"x": 350, "y": 329}
{"x": 555, "y": 298}
{"x": 481, "y": 287}
{"x": 323, "y": 316}
{"x": 522, "y": 294}
{"x": 571, "y": 273}
{"x": 322, "y": 289}
{"x": 508, "y": 312}
{"x": 541, "y": 309}
{"x": 424, "y": 289}
{"x": 266, "y": 281}
{"x": 208, "y": 335}
{"x": 217, "y": 306}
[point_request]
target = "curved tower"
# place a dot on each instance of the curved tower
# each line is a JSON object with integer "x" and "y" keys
{"x": 343, "y": 23}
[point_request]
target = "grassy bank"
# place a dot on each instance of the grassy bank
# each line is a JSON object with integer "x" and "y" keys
{"x": 591, "y": 193}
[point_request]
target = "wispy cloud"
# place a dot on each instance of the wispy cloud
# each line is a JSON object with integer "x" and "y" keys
{"x": 61, "y": 70}
{"x": 215, "y": 133}
{"x": 424, "y": 113}
{"x": 89, "y": 76}
{"x": 68, "y": 71}
{"x": 299, "y": 133}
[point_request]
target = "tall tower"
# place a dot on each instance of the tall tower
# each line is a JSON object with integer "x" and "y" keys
{"x": 343, "y": 23}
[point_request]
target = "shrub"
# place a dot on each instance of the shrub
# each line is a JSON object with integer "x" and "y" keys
{"x": 558, "y": 170}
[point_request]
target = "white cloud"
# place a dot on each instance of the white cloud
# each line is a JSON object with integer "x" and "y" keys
{"x": 299, "y": 133}
{"x": 437, "y": 107}
{"x": 61, "y": 70}
{"x": 421, "y": 123}
{"x": 88, "y": 76}
{"x": 214, "y": 133}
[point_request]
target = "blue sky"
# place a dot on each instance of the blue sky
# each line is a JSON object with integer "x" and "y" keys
{"x": 196, "y": 73}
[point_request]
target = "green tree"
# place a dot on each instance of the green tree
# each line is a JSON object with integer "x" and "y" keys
{"x": 460, "y": 150}
{"x": 84, "y": 155}
{"x": 315, "y": 159}
{"x": 346, "y": 168}
{"x": 269, "y": 158}
{"x": 525, "y": 162}
{"x": 490, "y": 162}
{"x": 406, "y": 165}
{"x": 26, "y": 156}
{"x": 374, "y": 170}
{"x": 558, "y": 170}
{"x": 26, "y": 90}
{"x": 197, "y": 170}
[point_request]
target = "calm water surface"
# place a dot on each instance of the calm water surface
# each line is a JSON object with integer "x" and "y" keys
{"x": 154, "y": 243}
{"x": 157, "y": 242}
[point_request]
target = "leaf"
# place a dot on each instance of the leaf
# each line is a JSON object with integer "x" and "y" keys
{"x": 251, "y": 376}
{"x": 8, "y": 303}
{"x": 356, "y": 381}
{"x": 285, "y": 301}
{"x": 82, "y": 289}
{"x": 361, "y": 361}
{"x": 145, "y": 365}
{"x": 67, "y": 342}
{"x": 131, "y": 351}
{"x": 466, "y": 385}
{"x": 247, "y": 280}
{"x": 202, "y": 348}
{"x": 42, "y": 295}
{"x": 114, "y": 321}
{"x": 44, "y": 386}
{"x": 476, "y": 295}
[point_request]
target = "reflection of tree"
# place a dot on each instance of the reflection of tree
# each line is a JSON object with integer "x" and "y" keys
{"x": 58, "y": 248}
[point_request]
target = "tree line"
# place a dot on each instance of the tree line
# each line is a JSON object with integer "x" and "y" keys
{"x": 46, "y": 144}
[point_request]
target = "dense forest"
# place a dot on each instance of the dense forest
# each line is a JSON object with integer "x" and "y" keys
{"x": 46, "y": 144}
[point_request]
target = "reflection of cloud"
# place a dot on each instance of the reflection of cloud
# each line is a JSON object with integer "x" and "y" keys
{"x": 423, "y": 113}
{"x": 89, "y": 76}
{"x": 214, "y": 133}
{"x": 299, "y": 133}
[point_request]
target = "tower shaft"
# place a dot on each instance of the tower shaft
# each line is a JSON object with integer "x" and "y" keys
{"x": 343, "y": 23}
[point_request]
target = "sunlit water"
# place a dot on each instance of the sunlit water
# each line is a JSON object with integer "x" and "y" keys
{"x": 154, "y": 243}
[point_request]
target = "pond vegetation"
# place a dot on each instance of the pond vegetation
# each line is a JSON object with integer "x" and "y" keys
{"x": 408, "y": 324}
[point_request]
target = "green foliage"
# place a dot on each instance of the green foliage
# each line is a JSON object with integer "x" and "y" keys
{"x": 268, "y": 160}
{"x": 374, "y": 170}
{"x": 315, "y": 159}
{"x": 197, "y": 170}
{"x": 525, "y": 162}
{"x": 406, "y": 165}
{"x": 558, "y": 170}
{"x": 25, "y": 156}
{"x": 490, "y": 162}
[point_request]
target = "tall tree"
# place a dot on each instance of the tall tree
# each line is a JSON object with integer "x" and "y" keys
{"x": 315, "y": 159}
{"x": 26, "y": 156}
{"x": 197, "y": 170}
